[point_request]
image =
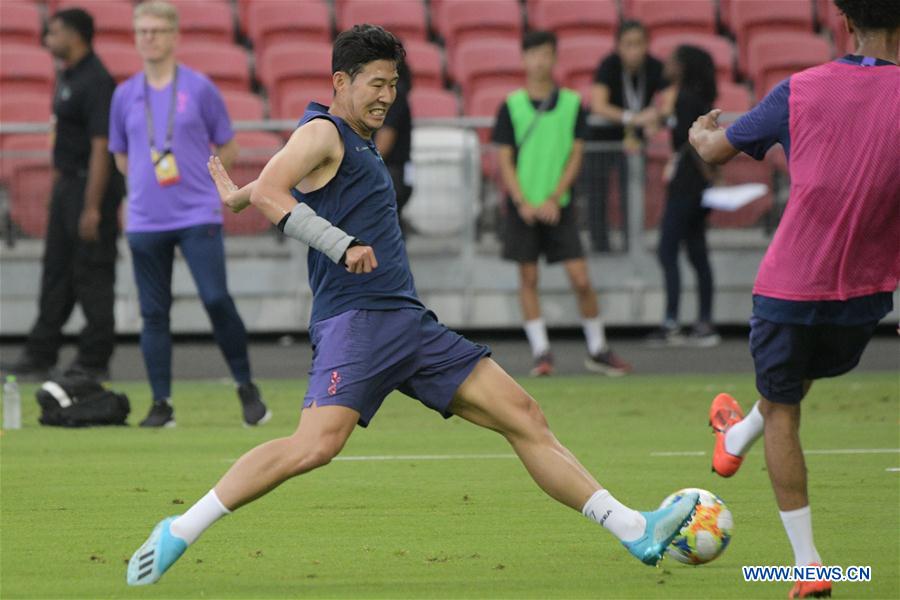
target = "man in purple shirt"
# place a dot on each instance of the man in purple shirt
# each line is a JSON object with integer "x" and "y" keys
{"x": 163, "y": 121}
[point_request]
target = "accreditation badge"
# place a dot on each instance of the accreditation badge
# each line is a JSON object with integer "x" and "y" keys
{"x": 165, "y": 167}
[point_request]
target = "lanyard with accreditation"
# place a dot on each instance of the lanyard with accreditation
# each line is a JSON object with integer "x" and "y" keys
{"x": 164, "y": 164}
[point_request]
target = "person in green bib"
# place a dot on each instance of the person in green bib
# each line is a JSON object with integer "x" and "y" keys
{"x": 540, "y": 131}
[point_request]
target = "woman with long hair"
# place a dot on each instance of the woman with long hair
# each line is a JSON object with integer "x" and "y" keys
{"x": 692, "y": 73}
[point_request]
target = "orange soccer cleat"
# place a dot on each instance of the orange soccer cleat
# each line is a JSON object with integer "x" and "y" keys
{"x": 811, "y": 589}
{"x": 723, "y": 413}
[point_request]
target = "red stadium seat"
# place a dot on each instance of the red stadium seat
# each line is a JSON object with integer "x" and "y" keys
{"x": 268, "y": 23}
{"x": 463, "y": 20}
{"x": 664, "y": 17}
{"x": 577, "y": 59}
{"x": 403, "y": 18}
{"x": 720, "y": 48}
{"x": 294, "y": 66}
{"x": 486, "y": 100}
{"x": 574, "y": 17}
{"x": 25, "y": 108}
{"x": 25, "y": 69}
{"x": 293, "y": 105}
{"x": 205, "y": 21}
{"x": 428, "y": 103}
{"x": 750, "y": 18}
{"x": 256, "y": 148}
{"x": 774, "y": 56}
{"x": 225, "y": 64}
{"x": 425, "y": 63}
{"x": 20, "y": 23}
{"x": 487, "y": 60}
{"x": 243, "y": 106}
{"x": 113, "y": 21}
{"x": 27, "y": 166}
{"x": 733, "y": 97}
{"x": 121, "y": 59}
{"x": 744, "y": 169}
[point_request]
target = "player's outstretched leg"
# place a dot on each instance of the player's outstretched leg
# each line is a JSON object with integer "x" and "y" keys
{"x": 322, "y": 433}
{"x": 489, "y": 397}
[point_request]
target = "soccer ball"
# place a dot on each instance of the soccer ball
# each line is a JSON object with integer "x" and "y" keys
{"x": 707, "y": 534}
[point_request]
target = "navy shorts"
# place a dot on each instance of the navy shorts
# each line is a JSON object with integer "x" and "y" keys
{"x": 361, "y": 356}
{"x": 787, "y": 355}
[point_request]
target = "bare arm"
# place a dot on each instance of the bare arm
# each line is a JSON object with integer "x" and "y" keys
{"x": 98, "y": 177}
{"x": 709, "y": 140}
{"x": 573, "y": 167}
{"x": 228, "y": 152}
{"x": 385, "y": 140}
{"x": 121, "y": 162}
{"x": 601, "y": 106}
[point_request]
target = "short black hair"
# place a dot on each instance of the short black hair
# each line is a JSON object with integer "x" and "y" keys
{"x": 698, "y": 72}
{"x": 362, "y": 44}
{"x": 533, "y": 39}
{"x": 871, "y": 14}
{"x": 627, "y": 25}
{"x": 79, "y": 20}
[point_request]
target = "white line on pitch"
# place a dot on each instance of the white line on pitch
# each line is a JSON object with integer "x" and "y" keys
{"x": 893, "y": 470}
{"x": 400, "y": 457}
{"x": 836, "y": 451}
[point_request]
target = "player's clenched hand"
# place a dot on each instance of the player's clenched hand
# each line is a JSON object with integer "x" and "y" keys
{"x": 360, "y": 259}
{"x": 225, "y": 186}
{"x": 704, "y": 124}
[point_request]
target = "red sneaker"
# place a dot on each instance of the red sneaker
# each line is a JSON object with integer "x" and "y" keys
{"x": 723, "y": 413}
{"x": 543, "y": 365}
{"x": 811, "y": 589}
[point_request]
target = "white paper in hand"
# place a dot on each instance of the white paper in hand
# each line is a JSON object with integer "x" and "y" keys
{"x": 731, "y": 198}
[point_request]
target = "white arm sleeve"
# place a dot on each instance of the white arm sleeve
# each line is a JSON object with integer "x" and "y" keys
{"x": 305, "y": 225}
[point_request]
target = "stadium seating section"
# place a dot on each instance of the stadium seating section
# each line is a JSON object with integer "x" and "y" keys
{"x": 271, "y": 57}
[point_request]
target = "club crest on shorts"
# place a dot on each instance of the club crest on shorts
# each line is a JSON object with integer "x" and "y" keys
{"x": 335, "y": 380}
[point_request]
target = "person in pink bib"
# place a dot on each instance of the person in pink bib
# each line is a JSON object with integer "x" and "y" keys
{"x": 829, "y": 274}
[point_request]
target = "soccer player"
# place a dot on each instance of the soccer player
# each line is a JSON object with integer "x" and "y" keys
{"x": 329, "y": 188}
{"x": 828, "y": 276}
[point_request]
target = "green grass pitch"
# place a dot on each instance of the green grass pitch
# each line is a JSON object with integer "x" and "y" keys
{"x": 75, "y": 504}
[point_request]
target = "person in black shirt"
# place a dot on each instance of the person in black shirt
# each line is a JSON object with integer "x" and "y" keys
{"x": 80, "y": 247}
{"x": 624, "y": 86}
{"x": 394, "y": 142}
{"x": 684, "y": 220}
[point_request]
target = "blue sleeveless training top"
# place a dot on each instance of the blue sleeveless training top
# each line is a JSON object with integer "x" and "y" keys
{"x": 360, "y": 199}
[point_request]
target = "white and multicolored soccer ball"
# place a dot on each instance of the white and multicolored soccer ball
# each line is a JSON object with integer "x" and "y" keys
{"x": 708, "y": 533}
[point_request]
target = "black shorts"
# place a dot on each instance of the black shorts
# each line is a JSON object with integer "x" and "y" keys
{"x": 525, "y": 243}
{"x": 787, "y": 355}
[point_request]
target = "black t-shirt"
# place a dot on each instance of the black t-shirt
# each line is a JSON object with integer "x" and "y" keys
{"x": 688, "y": 179}
{"x": 81, "y": 104}
{"x": 504, "y": 134}
{"x": 609, "y": 73}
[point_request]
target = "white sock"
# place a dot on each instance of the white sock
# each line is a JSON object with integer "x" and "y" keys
{"x": 594, "y": 335}
{"x": 741, "y": 436}
{"x": 798, "y": 524}
{"x": 199, "y": 517}
{"x": 623, "y": 522}
{"x": 536, "y": 331}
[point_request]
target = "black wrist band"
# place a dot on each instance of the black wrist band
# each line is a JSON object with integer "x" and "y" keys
{"x": 283, "y": 221}
{"x": 355, "y": 242}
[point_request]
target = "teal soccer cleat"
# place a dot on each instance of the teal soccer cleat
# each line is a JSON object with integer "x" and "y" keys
{"x": 662, "y": 527}
{"x": 155, "y": 555}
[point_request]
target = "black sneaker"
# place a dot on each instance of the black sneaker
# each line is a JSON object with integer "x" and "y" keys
{"x": 665, "y": 335}
{"x": 161, "y": 415}
{"x": 607, "y": 363}
{"x": 255, "y": 411}
{"x": 703, "y": 335}
{"x": 27, "y": 369}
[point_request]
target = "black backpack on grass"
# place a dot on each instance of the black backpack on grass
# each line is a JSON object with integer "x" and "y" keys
{"x": 80, "y": 401}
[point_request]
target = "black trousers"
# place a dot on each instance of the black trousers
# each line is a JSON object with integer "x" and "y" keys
{"x": 77, "y": 271}
{"x": 684, "y": 221}
{"x": 598, "y": 168}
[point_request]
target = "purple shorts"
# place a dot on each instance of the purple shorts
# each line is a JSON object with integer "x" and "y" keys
{"x": 361, "y": 356}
